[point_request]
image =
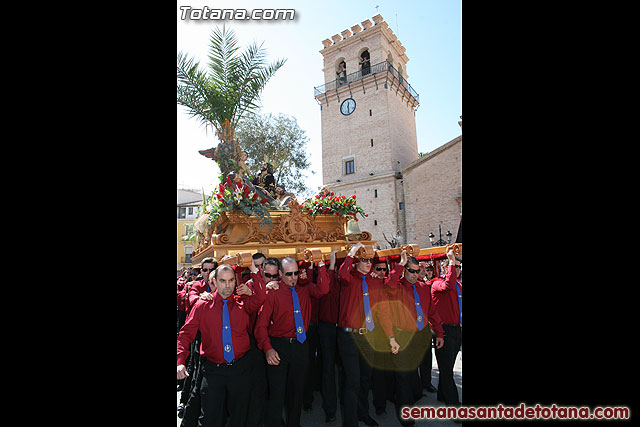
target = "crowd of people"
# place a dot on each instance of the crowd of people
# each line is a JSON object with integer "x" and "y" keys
{"x": 253, "y": 344}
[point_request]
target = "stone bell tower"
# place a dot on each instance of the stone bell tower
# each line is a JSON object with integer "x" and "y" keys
{"x": 368, "y": 122}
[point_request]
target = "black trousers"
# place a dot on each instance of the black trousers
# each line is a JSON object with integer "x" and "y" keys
{"x": 259, "y": 387}
{"x": 327, "y": 341}
{"x": 446, "y": 357}
{"x": 357, "y": 358}
{"x": 382, "y": 374}
{"x": 225, "y": 383}
{"x": 313, "y": 371}
{"x": 190, "y": 396}
{"x": 286, "y": 382}
{"x": 412, "y": 348}
{"x": 426, "y": 364}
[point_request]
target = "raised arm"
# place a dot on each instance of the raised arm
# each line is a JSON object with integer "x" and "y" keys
{"x": 344, "y": 274}
{"x": 322, "y": 287}
{"x": 449, "y": 281}
{"x": 258, "y": 296}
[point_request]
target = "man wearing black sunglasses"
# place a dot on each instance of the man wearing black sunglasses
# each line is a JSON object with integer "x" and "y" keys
{"x": 411, "y": 309}
{"x": 201, "y": 289}
{"x": 190, "y": 399}
{"x": 281, "y": 333}
{"x": 362, "y": 310}
{"x": 257, "y": 406}
{"x": 444, "y": 294}
{"x": 382, "y": 376}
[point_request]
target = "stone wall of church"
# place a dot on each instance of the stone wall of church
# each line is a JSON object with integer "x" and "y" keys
{"x": 431, "y": 187}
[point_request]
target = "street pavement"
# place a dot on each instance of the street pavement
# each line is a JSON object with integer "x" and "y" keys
{"x": 315, "y": 417}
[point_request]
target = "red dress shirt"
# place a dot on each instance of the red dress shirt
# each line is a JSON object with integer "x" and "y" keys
{"x": 351, "y": 304}
{"x": 308, "y": 280}
{"x": 206, "y": 316}
{"x": 445, "y": 297}
{"x": 197, "y": 288}
{"x": 328, "y": 304}
{"x": 275, "y": 319}
{"x": 180, "y": 291}
{"x": 403, "y": 307}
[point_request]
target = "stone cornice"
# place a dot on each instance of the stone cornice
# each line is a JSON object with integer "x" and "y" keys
{"x": 357, "y": 33}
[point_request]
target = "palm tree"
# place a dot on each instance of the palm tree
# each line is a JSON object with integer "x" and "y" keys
{"x": 230, "y": 90}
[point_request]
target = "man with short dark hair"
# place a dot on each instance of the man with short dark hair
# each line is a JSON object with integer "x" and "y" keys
{"x": 223, "y": 324}
{"x": 189, "y": 407}
{"x": 362, "y": 309}
{"x": 259, "y": 387}
{"x": 281, "y": 333}
{"x": 445, "y": 299}
{"x": 425, "y": 276}
{"x": 411, "y": 308}
{"x": 202, "y": 286}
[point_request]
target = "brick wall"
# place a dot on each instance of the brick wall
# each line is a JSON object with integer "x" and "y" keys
{"x": 431, "y": 186}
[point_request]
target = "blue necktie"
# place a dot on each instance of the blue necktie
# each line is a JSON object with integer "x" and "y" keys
{"x": 367, "y": 307}
{"x": 459, "y": 301}
{"x": 419, "y": 318}
{"x": 297, "y": 316}
{"x": 227, "y": 345}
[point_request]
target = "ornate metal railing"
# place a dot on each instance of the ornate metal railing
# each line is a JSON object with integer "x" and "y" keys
{"x": 362, "y": 73}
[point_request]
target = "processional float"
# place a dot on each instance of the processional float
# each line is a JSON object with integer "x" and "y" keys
{"x": 236, "y": 236}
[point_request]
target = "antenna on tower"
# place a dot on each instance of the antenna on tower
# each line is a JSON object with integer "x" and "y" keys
{"x": 397, "y": 28}
{"x": 377, "y": 8}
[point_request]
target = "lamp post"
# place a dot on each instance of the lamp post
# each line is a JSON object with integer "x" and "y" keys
{"x": 440, "y": 242}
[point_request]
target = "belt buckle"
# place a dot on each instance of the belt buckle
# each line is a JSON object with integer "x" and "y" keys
{"x": 362, "y": 331}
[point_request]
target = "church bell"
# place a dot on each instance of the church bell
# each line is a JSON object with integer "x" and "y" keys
{"x": 352, "y": 230}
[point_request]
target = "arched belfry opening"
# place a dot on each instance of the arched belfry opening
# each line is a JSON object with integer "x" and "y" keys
{"x": 365, "y": 62}
{"x": 341, "y": 71}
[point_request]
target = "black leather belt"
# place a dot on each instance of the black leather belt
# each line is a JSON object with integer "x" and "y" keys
{"x": 361, "y": 331}
{"x": 286, "y": 339}
{"x": 223, "y": 365}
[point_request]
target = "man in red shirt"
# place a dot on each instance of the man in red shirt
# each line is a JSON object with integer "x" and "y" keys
{"x": 411, "y": 308}
{"x": 445, "y": 299}
{"x": 362, "y": 308}
{"x": 189, "y": 408}
{"x": 202, "y": 286}
{"x": 425, "y": 275}
{"x": 281, "y": 333}
{"x": 223, "y": 323}
{"x": 259, "y": 388}
{"x": 327, "y": 322}
{"x": 382, "y": 373}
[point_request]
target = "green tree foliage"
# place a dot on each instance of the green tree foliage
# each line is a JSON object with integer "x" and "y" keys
{"x": 231, "y": 85}
{"x": 283, "y": 142}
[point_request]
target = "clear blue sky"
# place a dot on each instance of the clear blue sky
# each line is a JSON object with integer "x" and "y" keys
{"x": 430, "y": 30}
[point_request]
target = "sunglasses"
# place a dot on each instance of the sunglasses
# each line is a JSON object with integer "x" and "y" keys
{"x": 292, "y": 273}
{"x": 365, "y": 259}
{"x": 382, "y": 268}
{"x": 411, "y": 270}
{"x": 206, "y": 270}
{"x": 458, "y": 266}
{"x": 271, "y": 276}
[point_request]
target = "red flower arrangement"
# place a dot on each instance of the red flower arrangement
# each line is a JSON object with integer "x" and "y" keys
{"x": 238, "y": 196}
{"x": 331, "y": 204}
